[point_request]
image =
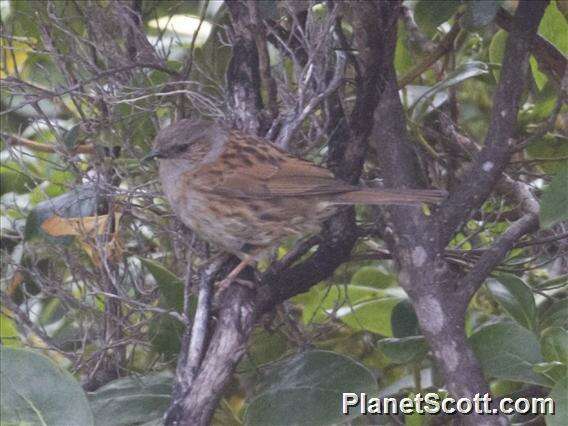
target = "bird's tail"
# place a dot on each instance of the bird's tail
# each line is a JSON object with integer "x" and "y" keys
{"x": 378, "y": 196}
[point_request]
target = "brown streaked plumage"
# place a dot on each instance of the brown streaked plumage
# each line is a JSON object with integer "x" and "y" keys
{"x": 244, "y": 194}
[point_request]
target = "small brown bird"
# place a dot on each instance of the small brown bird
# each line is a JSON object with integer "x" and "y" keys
{"x": 244, "y": 194}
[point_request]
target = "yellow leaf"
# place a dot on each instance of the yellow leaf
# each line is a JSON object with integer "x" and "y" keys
{"x": 58, "y": 226}
{"x": 12, "y": 57}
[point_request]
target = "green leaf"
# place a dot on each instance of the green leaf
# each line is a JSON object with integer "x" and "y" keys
{"x": 555, "y": 315}
{"x": 539, "y": 77}
{"x": 554, "y": 370}
{"x": 9, "y": 335}
{"x": 323, "y": 300}
{"x": 430, "y": 14}
{"x": 554, "y": 27}
{"x": 508, "y": 351}
{"x": 264, "y": 347}
{"x": 165, "y": 332}
{"x": 403, "y": 59}
{"x": 497, "y": 50}
{"x": 552, "y": 284}
{"x": 171, "y": 287}
{"x": 72, "y": 137}
{"x": 37, "y": 392}
{"x": 459, "y": 75}
{"x": 552, "y": 148}
{"x": 13, "y": 179}
{"x": 373, "y": 315}
{"x": 515, "y": 297}
{"x": 559, "y": 395}
{"x": 479, "y": 13}
{"x": 554, "y": 201}
{"x": 562, "y": 6}
{"x": 404, "y": 350}
{"x": 404, "y": 322}
{"x": 307, "y": 388}
{"x": 373, "y": 277}
{"x": 132, "y": 400}
{"x": 80, "y": 202}
{"x": 554, "y": 342}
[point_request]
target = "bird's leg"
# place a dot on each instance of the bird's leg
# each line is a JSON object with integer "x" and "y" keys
{"x": 235, "y": 273}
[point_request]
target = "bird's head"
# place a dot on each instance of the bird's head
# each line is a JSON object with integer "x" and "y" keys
{"x": 193, "y": 140}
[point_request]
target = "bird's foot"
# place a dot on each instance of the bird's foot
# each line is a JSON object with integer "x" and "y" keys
{"x": 225, "y": 283}
{"x": 232, "y": 277}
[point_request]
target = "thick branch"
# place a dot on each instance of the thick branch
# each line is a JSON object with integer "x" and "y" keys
{"x": 550, "y": 59}
{"x": 493, "y": 256}
{"x": 483, "y": 174}
{"x": 243, "y": 75}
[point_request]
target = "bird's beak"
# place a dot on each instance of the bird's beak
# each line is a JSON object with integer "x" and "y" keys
{"x": 154, "y": 153}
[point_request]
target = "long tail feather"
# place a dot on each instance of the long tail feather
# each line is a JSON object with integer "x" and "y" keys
{"x": 378, "y": 196}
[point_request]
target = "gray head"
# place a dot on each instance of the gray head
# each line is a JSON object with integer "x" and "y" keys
{"x": 191, "y": 139}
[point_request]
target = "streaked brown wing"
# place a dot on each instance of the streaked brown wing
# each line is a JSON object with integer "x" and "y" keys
{"x": 261, "y": 172}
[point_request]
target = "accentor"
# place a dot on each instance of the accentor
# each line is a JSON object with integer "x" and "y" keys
{"x": 245, "y": 194}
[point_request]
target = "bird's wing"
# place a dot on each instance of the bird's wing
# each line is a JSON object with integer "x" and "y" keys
{"x": 260, "y": 171}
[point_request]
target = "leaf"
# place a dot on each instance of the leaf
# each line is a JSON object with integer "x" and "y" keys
{"x": 554, "y": 370}
{"x": 13, "y": 179}
{"x": 72, "y": 137}
{"x": 559, "y": 395}
{"x": 132, "y": 400}
{"x": 403, "y": 59}
{"x": 479, "y": 13}
{"x": 404, "y": 350}
{"x": 35, "y": 391}
{"x": 408, "y": 382}
{"x": 554, "y": 342}
{"x": 80, "y": 202}
{"x": 57, "y": 226}
{"x": 429, "y": 14}
{"x": 552, "y": 283}
{"x": 165, "y": 332}
{"x": 562, "y": 6}
{"x": 322, "y": 301}
{"x": 404, "y": 322}
{"x": 459, "y": 75}
{"x": 508, "y": 351}
{"x": 307, "y": 388}
{"x": 264, "y": 347}
{"x": 554, "y": 27}
{"x": 373, "y": 315}
{"x": 497, "y": 51}
{"x": 554, "y": 200}
{"x": 9, "y": 336}
{"x": 555, "y": 315}
{"x": 171, "y": 287}
{"x": 539, "y": 77}
{"x": 373, "y": 277}
{"x": 552, "y": 148}
{"x": 515, "y": 297}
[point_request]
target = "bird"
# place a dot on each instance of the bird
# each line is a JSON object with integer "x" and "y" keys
{"x": 244, "y": 194}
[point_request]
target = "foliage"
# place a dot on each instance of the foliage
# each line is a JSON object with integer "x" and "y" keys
{"x": 94, "y": 265}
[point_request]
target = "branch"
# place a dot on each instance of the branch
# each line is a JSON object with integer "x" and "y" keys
{"x": 243, "y": 76}
{"x": 193, "y": 343}
{"x": 488, "y": 166}
{"x": 495, "y": 254}
{"x": 550, "y": 60}
{"x": 15, "y": 140}
{"x": 443, "y": 47}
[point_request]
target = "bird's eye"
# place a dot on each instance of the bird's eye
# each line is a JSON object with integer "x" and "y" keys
{"x": 178, "y": 149}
